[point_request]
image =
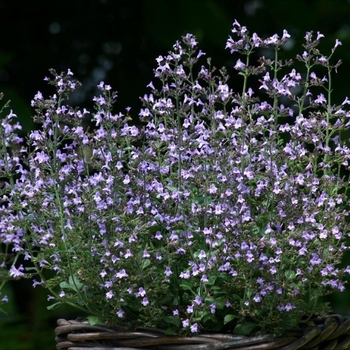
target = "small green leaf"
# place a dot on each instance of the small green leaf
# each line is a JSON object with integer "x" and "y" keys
{"x": 65, "y": 285}
{"x": 171, "y": 331}
{"x": 212, "y": 280}
{"x": 244, "y": 328}
{"x": 290, "y": 274}
{"x": 145, "y": 263}
{"x": 94, "y": 320}
{"x": 54, "y": 306}
{"x": 173, "y": 320}
{"x": 228, "y": 318}
{"x": 236, "y": 296}
{"x": 75, "y": 283}
{"x": 186, "y": 285}
{"x": 171, "y": 188}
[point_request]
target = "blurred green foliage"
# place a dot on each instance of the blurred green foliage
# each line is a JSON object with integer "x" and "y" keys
{"x": 29, "y": 330}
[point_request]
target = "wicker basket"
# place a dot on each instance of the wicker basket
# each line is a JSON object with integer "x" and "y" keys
{"x": 330, "y": 333}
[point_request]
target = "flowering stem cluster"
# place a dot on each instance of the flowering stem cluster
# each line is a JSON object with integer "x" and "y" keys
{"x": 221, "y": 211}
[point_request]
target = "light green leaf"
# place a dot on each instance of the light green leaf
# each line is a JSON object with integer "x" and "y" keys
{"x": 75, "y": 283}
{"x": 54, "y": 306}
{"x": 185, "y": 286}
{"x": 228, "y": 318}
{"x": 290, "y": 274}
{"x": 94, "y": 320}
{"x": 65, "y": 285}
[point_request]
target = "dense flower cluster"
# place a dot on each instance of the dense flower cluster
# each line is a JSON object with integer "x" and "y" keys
{"x": 219, "y": 211}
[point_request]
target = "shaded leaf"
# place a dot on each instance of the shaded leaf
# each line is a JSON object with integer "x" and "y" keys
{"x": 228, "y": 318}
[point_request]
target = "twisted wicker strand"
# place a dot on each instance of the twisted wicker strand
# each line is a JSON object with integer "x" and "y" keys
{"x": 331, "y": 333}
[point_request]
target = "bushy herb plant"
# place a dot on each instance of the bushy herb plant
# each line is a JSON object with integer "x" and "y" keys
{"x": 220, "y": 211}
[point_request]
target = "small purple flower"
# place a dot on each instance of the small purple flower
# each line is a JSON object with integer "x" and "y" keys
{"x": 273, "y": 270}
{"x": 320, "y": 99}
{"x": 168, "y": 271}
{"x": 212, "y": 189}
{"x": 289, "y": 307}
{"x": 194, "y": 328}
{"x": 315, "y": 259}
{"x": 257, "y": 298}
{"x": 185, "y": 323}
{"x": 202, "y": 255}
{"x": 198, "y": 300}
{"x": 141, "y": 293}
{"x": 185, "y": 275}
{"x": 121, "y": 274}
{"x": 110, "y": 294}
{"x": 120, "y": 313}
{"x": 337, "y": 43}
{"x": 15, "y": 273}
{"x": 158, "y": 236}
{"x": 189, "y": 309}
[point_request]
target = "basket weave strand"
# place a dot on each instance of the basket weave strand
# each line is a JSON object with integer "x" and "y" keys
{"x": 329, "y": 333}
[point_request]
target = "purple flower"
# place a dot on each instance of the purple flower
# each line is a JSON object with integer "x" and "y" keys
{"x": 185, "y": 323}
{"x": 240, "y": 66}
{"x": 202, "y": 255}
{"x": 145, "y": 301}
{"x": 289, "y": 307}
{"x": 257, "y": 298}
{"x": 194, "y": 328}
{"x": 168, "y": 271}
{"x": 315, "y": 259}
{"x": 185, "y": 275}
{"x": 121, "y": 274}
{"x": 15, "y": 273}
{"x": 320, "y": 99}
{"x": 273, "y": 270}
{"x": 120, "y": 313}
{"x": 110, "y": 294}
{"x": 198, "y": 300}
{"x": 189, "y": 309}
{"x": 140, "y": 293}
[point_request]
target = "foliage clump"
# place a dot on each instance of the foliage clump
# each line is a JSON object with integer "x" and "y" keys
{"x": 220, "y": 211}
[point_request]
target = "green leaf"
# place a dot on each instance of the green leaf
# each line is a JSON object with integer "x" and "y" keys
{"x": 65, "y": 285}
{"x": 290, "y": 274}
{"x": 171, "y": 188}
{"x": 173, "y": 320}
{"x": 228, "y": 318}
{"x": 171, "y": 331}
{"x": 75, "y": 283}
{"x": 212, "y": 280}
{"x": 145, "y": 263}
{"x": 94, "y": 320}
{"x": 186, "y": 285}
{"x": 244, "y": 328}
{"x": 54, "y": 306}
{"x": 236, "y": 296}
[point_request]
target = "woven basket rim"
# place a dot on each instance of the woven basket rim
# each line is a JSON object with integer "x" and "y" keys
{"x": 331, "y": 331}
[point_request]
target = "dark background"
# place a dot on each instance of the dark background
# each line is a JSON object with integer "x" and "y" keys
{"x": 117, "y": 41}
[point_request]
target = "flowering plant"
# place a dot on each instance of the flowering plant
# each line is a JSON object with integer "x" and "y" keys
{"x": 221, "y": 211}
